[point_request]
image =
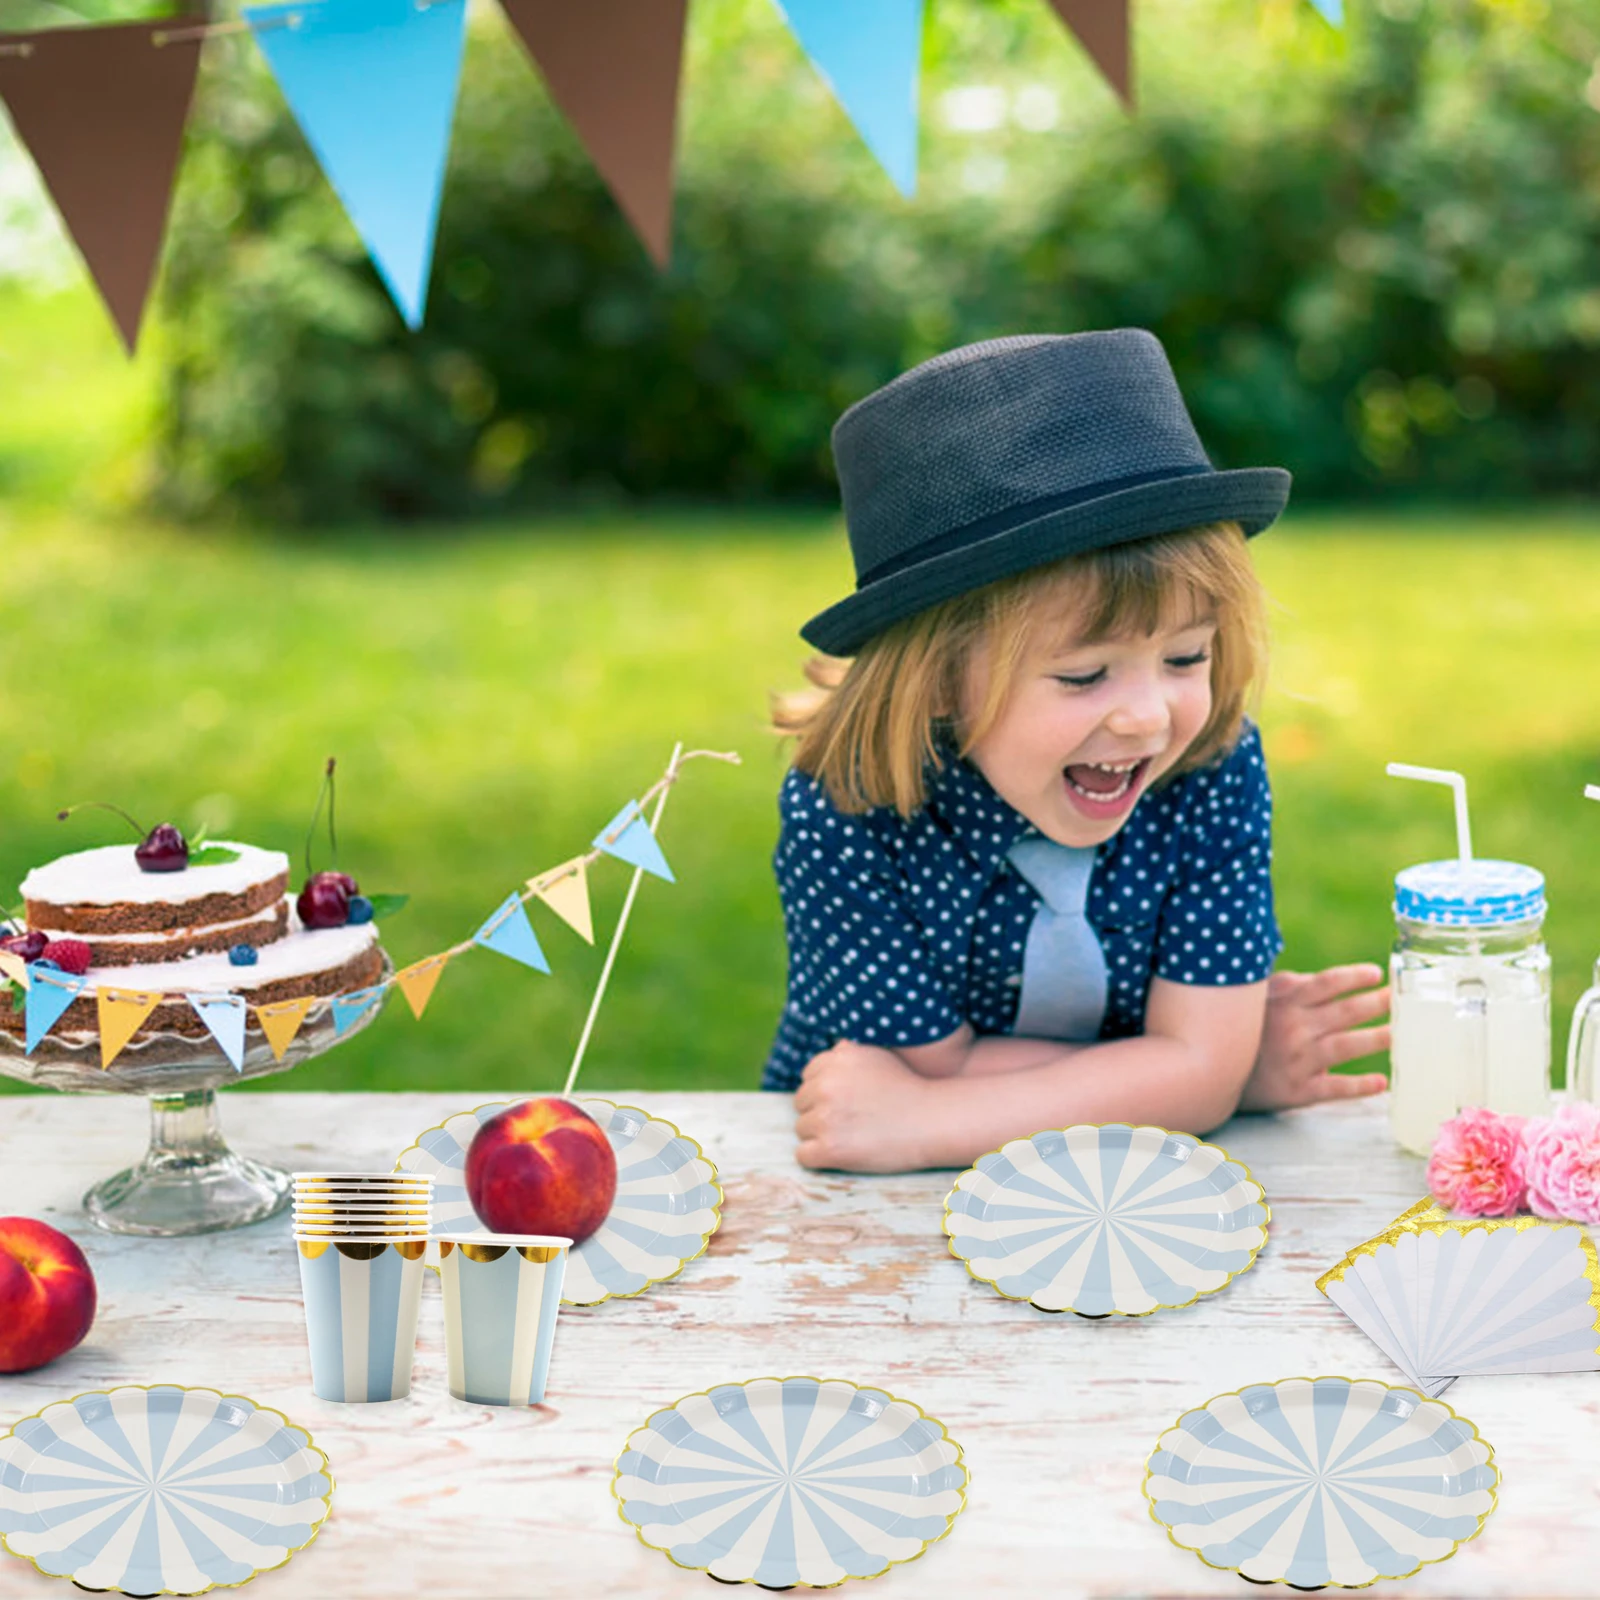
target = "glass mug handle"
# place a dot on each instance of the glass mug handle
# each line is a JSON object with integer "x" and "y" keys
{"x": 1580, "y": 1063}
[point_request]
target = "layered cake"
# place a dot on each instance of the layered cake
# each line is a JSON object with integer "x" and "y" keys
{"x": 220, "y": 928}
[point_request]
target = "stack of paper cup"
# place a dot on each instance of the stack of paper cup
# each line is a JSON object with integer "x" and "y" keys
{"x": 361, "y": 1238}
{"x": 502, "y": 1292}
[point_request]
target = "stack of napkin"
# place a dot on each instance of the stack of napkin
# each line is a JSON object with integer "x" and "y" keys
{"x": 1444, "y": 1298}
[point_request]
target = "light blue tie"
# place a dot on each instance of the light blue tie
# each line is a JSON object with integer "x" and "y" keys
{"x": 1063, "y": 967}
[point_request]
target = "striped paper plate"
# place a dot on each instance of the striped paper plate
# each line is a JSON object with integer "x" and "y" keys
{"x": 160, "y": 1490}
{"x": 1316, "y": 1481}
{"x": 1106, "y": 1220}
{"x": 667, "y": 1207}
{"x": 788, "y": 1482}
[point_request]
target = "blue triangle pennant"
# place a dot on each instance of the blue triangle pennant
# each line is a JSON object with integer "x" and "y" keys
{"x": 628, "y": 837}
{"x": 510, "y": 933}
{"x": 49, "y": 994}
{"x": 373, "y": 85}
{"x": 224, "y": 1016}
{"x": 869, "y": 53}
{"x": 348, "y": 1008}
{"x": 1333, "y": 10}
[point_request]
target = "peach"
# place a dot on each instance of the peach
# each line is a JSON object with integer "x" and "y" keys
{"x": 543, "y": 1166}
{"x": 47, "y": 1294}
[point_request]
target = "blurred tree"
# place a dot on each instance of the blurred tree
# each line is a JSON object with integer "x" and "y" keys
{"x": 1371, "y": 255}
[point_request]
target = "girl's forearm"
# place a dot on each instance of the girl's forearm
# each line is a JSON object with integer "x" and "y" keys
{"x": 1151, "y": 1079}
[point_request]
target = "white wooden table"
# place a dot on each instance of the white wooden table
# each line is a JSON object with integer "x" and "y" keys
{"x": 828, "y": 1275}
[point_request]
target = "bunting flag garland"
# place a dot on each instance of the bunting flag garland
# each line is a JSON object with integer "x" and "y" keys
{"x": 568, "y": 897}
{"x": 418, "y": 981}
{"x": 224, "y": 1016}
{"x": 372, "y": 84}
{"x": 122, "y": 1013}
{"x": 868, "y": 52}
{"x": 14, "y": 968}
{"x": 628, "y": 837}
{"x": 613, "y": 67}
{"x": 349, "y": 1008}
{"x": 281, "y": 1021}
{"x": 510, "y": 933}
{"x": 49, "y": 995}
{"x": 1102, "y": 28}
{"x": 101, "y": 111}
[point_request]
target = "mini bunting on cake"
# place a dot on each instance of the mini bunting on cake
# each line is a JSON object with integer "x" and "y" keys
{"x": 418, "y": 981}
{"x": 224, "y": 1016}
{"x": 568, "y": 896}
{"x": 122, "y": 1014}
{"x": 350, "y": 1008}
{"x": 14, "y": 968}
{"x": 510, "y": 933}
{"x": 282, "y": 1020}
{"x": 49, "y": 995}
{"x": 628, "y": 837}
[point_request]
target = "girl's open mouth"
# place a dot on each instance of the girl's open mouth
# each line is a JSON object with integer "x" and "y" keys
{"x": 1102, "y": 789}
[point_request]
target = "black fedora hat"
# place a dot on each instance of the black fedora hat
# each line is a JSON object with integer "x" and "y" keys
{"x": 1012, "y": 453}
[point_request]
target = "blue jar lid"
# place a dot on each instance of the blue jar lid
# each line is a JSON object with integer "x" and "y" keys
{"x": 1469, "y": 894}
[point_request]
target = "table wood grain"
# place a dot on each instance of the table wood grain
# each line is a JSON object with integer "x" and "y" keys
{"x": 829, "y": 1275}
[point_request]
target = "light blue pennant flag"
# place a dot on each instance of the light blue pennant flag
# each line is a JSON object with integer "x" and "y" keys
{"x": 510, "y": 933}
{"x": 48, "y": 995}
{"x": 1333, "y": 10}
{"x": 224, "y": 1015}
{"x": 628, "y": 837}
{"x": 869, "y": 53}
{"x": 373, "y": 85}
{"x": 348, "y": 1008}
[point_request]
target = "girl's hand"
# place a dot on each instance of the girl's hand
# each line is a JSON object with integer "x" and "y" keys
{"x": 859, "y": 1109}
{"x": 1314, "y": 1022}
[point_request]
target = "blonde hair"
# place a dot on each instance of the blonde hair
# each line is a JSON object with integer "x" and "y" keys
{"x": 873, "y": 728}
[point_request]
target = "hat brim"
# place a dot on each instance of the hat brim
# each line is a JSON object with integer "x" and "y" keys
{"x": 1254, "y": 497}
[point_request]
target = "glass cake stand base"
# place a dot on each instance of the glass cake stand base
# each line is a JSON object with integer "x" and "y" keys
{"x": 189, "y": 1180}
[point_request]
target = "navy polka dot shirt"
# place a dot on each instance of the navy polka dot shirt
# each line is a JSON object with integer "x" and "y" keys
{"x": 899, "y": 931}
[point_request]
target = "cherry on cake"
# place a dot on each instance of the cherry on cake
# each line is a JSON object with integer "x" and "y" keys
{"x": 173, "y": 930}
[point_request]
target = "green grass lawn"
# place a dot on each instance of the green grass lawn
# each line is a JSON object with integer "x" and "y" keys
{"x": 495, "y": 693}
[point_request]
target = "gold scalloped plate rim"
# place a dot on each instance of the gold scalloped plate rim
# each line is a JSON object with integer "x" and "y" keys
{"x": 185, "y": 1388}
{"x": 1382, "y": 1577}
{"x": 802, "y": 1377}
{"x": 1165, "y": 1305}
{"x": 649, "y": 1116}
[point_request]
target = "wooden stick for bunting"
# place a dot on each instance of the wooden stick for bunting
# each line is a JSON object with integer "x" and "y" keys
{"x": 622, "y": 922}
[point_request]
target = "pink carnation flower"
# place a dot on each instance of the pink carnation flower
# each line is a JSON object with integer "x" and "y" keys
{"x": 1477, "y": 1164}
{"x": 1562, "y": 1155}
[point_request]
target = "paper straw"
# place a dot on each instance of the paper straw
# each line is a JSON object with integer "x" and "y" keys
{"x": 1454, "y": 780}
{"x": 622, "y": 922}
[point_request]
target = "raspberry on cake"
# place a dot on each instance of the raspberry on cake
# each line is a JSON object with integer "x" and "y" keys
{"x": 173, "y": 932}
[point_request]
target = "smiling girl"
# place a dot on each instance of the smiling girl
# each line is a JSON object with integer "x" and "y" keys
{"x": 1025, "y": 857}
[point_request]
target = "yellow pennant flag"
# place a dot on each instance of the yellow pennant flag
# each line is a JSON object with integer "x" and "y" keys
{"x": 281, "y": 1020}
{"x": 14, "y": 968}
{"x": 568, "y": 897}
{"x": 417, "y": 982}
{"x": 122, "y": 1012}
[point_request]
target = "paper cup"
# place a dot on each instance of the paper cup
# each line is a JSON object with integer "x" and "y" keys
{"x": 501, "y": 1295}
{"x": 361, "y": 1300}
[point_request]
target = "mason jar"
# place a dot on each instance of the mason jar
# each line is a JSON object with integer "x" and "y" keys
{"x": 1469, "y": 995}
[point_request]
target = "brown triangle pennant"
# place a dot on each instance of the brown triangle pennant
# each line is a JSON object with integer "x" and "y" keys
{"x": 280, "y": 1021}
{"x": 101, "y": 111}
{"x": 1103, "y": 28}
{"x": 613, "y": 67}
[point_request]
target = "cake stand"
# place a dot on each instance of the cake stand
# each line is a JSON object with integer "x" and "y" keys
{"x": 189, "y": 1180}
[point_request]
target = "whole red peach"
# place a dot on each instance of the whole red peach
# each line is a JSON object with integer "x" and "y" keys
{"x": 47, "y": 1295}
{"x": 543, "y": 1166}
